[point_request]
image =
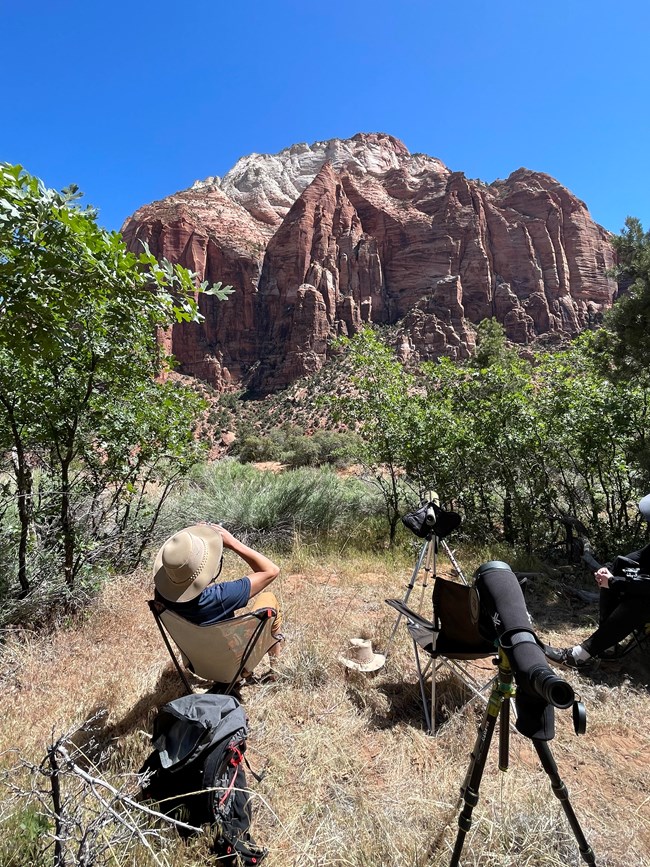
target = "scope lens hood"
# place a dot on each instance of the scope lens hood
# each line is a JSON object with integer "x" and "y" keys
{"x": 579, "y": 718}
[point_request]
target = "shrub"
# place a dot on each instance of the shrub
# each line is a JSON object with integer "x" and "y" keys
{"x": 291, "y": 446}
{"x": 272, "y": 507}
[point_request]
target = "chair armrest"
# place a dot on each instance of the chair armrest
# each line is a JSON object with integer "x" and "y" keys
{"x": 413, "y": 616}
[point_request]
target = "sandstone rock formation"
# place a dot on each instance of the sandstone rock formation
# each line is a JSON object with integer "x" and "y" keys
{"x": 319, "y": 239}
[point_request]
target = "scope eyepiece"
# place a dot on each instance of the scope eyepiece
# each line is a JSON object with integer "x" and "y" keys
{"x": 550, "y": 687}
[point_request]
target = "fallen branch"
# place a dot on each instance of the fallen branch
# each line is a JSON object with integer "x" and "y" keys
{"x": 120, "y": 796}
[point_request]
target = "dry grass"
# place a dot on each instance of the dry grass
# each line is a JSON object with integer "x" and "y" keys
{"x": 351, "y": 778}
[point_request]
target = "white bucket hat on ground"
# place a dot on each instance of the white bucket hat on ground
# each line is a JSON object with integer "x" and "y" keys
{"x": 187, "y": 562}
{"x": 361, "y": 657}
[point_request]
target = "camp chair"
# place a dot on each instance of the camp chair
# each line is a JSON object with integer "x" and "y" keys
{"x": 218, "y": 652}
{"x": 450, "y": 640}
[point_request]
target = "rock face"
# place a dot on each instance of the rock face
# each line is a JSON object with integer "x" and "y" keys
{"x": 320, "y": 239}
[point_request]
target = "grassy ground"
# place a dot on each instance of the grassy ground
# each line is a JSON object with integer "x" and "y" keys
{"x": 351, "y": 777}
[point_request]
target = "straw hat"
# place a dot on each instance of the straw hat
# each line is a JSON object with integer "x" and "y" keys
{"x": 361, "y": 657}
{"x": 187, "y": 562}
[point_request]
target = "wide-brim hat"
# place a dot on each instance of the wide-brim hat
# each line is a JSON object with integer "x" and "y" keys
{"x": 644, "y": 507}
{"x": 361, "y": 657}
{"x": 187, "y": 562}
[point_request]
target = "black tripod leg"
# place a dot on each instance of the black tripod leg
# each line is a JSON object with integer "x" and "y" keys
{"x": 474, "y": 774}
{"x": 561, "y": 792}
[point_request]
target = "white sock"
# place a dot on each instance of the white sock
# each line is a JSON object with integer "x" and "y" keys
{"x": 580, "y": 654}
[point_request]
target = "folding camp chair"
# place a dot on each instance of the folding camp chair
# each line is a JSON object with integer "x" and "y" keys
{"x": 218, "y": 652}
{"x": 450, "y": 640}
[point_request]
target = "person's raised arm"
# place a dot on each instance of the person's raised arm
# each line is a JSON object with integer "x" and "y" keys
{"x": 263, "y": 571}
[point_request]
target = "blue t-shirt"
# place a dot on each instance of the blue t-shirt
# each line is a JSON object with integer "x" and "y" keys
{"x": 217, "y": 602}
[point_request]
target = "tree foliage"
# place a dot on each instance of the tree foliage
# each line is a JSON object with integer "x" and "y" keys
{"x": 526, "y": 449}
{"x": 85, "y": 422}
{"x": 381, "y": 407}
{"x": 623, "y": 342}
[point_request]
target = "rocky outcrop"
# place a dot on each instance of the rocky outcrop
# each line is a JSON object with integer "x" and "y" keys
{"x": 318, "y": 240}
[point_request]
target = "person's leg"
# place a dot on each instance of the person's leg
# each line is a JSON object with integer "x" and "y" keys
{"x": 628, "y": 615}
{"x": 620, "y": 614}
{"x": 268, "y": 599}
{"x": 608, "y": 599}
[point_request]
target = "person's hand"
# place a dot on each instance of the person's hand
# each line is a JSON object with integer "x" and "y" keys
{"x": 227, "y": 538}
{"x": 602, "y": 576}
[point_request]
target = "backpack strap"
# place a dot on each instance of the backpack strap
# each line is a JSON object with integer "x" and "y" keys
{"x": 258, "y": 777}
{"x": 234, "y": 754}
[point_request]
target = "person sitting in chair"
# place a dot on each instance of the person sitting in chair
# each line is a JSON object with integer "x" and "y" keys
{"x": 624, "y": 604}
{"x": 186, "y": 569}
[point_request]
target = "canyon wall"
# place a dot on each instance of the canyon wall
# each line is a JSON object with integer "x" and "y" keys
{"x": 320, "y": 239}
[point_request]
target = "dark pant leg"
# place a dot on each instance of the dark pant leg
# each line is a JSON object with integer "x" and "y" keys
{"x": 608, "y": 599}
{"x": 629, "y": 613}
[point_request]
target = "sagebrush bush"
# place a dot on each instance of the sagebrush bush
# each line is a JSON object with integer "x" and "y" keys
{"x": 273, "y": 508}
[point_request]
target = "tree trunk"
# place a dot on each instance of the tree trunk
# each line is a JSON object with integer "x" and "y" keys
{"x": 67, "y": 525}
{"x": 508, "y": 526}
{"x": 25, "y": 515}
{"x": 24, "y": 494}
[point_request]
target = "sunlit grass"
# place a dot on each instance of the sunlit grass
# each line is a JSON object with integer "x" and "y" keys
{"x": 351, "y": 777}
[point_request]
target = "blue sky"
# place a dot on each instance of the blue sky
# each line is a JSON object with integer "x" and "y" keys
{"x": 133, "y": 101}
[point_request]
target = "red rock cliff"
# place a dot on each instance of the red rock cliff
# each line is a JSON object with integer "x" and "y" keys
{"x": 318, "y": 240}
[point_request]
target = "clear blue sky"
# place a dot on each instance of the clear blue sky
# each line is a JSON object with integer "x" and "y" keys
{"x": 133, "y": 101}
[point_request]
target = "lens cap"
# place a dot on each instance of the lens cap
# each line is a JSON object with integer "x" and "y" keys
{"x": 579, "y": 718}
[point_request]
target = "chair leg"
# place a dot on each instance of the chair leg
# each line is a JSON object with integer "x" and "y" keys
{"x": 180, "y": 671}
{"x": 433, "y": 696}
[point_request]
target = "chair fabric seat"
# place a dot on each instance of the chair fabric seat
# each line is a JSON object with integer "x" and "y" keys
{"x": 217, "y": 652}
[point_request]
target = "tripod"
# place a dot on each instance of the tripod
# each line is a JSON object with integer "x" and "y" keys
{"x": 499, "y": 706}
{"x": 427, "y": 558}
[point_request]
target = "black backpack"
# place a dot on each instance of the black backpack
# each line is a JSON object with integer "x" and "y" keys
{"x": 196, "y": 772}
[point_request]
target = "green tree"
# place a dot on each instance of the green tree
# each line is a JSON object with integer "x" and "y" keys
{"x": 480, "y": 417}
{"x": 382, "y": 409}
{"x": 79, "y": 401}
{"x": 623, "y": 342}
{"x": 591, "y": 439}
{"x": 492, "y": 346}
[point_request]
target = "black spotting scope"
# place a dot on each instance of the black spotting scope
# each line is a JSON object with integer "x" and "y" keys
{"x": 503, "y": 617}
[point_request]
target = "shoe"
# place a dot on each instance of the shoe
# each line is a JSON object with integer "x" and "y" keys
{"x": 564, "y": 656}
